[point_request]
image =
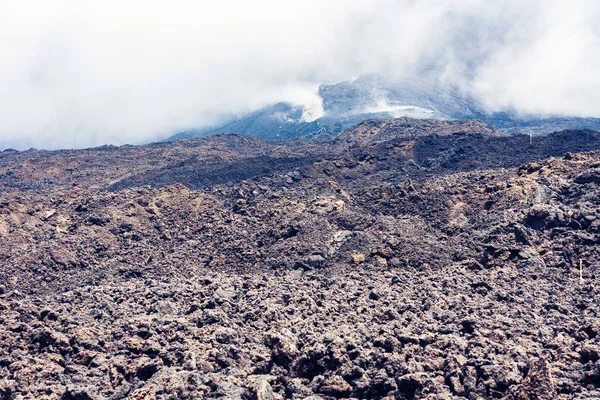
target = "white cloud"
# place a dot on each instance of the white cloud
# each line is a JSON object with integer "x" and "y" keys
{"x": 549, "y": 63}
{"x": 78, "y": 73}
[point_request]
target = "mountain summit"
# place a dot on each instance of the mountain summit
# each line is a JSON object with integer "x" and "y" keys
{"x": 376, "y": 96}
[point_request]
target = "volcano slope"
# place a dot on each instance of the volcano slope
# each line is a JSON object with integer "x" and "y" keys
{"x": 403, "y": 259}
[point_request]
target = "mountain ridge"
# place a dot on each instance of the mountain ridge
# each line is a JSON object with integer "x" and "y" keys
{"x": 377, "y": 96}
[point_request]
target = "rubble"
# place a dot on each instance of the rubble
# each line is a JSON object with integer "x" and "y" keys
{"x": 401, "y": 260}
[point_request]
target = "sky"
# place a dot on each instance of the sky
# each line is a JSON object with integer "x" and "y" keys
{"x": 81, "y": 73}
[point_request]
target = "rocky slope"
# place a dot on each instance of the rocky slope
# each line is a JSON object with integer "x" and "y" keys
{"x": 402, "y": 259}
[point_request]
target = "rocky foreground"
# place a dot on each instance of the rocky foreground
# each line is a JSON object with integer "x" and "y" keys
{"x": 403, "y": 259}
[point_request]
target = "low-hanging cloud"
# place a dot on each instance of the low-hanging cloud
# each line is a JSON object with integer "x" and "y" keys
{"x": 80, "y": 73}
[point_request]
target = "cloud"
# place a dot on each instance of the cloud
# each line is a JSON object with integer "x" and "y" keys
{"x": 79, "y": 73}
{"x": 548, "y": 63}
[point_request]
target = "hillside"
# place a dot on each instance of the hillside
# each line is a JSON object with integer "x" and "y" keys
{"x": 399, "y": 259}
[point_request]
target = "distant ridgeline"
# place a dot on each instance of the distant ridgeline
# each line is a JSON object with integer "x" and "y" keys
{"x": 373, "y": 96}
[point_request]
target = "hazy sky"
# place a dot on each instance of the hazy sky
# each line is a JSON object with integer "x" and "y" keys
{"x": 77, "y": 73}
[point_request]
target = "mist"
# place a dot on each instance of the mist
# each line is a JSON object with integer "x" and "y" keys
{"x": 80, "y": 73}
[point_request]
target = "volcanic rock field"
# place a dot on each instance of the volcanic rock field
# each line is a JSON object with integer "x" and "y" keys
{"x": 401, "y": 259}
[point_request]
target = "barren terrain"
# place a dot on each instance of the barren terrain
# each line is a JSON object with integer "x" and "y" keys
{"x": 402, "y": 259}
